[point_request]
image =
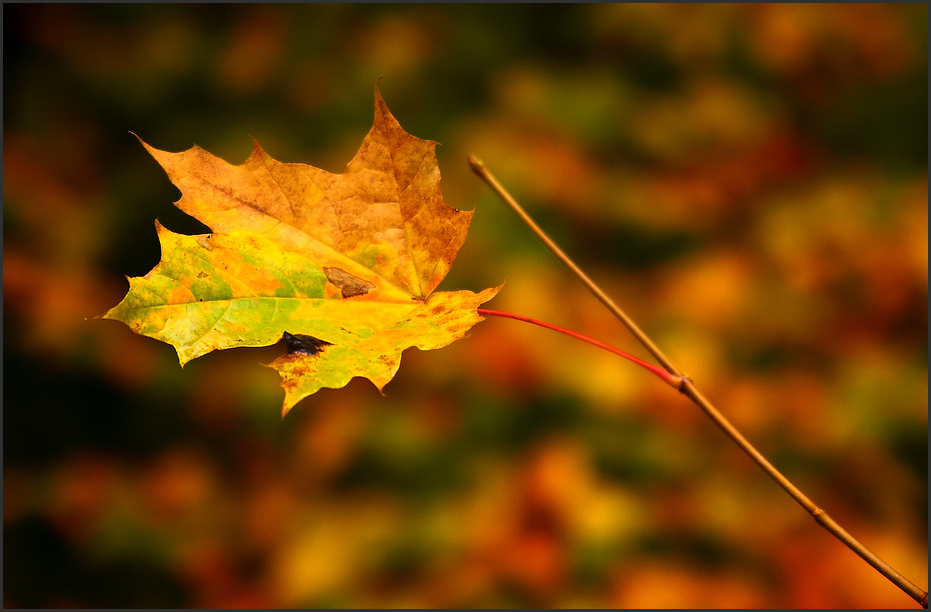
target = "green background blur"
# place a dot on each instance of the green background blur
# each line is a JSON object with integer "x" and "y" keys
{"x": 748, "y": 181}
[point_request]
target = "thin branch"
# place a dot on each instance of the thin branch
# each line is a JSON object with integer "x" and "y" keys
{"x": 689, "y": 390}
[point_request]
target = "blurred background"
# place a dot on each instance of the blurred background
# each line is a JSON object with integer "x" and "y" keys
{"x": 748, "y": 181}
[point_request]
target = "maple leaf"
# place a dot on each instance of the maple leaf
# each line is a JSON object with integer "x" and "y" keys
{"x": 342, "y": 266}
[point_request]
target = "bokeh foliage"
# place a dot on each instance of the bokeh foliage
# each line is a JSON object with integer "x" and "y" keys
{"x": 749, "y": 181}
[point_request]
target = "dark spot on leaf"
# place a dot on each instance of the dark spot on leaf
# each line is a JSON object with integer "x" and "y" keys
{"x": 349, "y": 285}
{"x": 202, "y": 274}
{"x": 301, "y": 344}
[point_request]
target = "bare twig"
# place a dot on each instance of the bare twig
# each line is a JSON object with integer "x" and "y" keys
{"x": 688, "y": 389}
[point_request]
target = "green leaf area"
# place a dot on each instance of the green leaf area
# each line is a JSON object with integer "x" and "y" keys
{"x": 218, "y": 291}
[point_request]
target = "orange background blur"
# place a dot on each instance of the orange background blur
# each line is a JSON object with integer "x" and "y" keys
{"x": 748, "y": 181}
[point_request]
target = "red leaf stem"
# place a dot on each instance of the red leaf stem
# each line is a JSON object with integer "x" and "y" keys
{"x": 674, "y": 381}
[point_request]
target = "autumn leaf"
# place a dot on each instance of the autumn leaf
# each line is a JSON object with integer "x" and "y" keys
{"x": 342, "y": 266}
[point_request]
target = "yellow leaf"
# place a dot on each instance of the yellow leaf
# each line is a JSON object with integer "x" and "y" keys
{"x": 342, "y": 266}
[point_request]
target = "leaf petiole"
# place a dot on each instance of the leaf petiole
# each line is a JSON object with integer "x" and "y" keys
{"x": 676, "y": 382}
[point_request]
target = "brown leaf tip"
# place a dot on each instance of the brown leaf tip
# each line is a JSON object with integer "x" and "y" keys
{"x": 301, "y": 344}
